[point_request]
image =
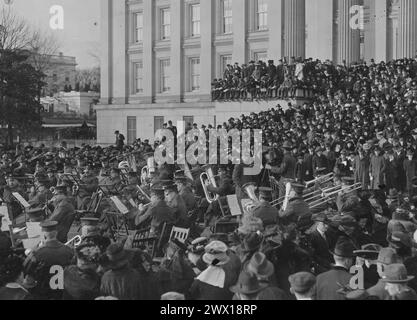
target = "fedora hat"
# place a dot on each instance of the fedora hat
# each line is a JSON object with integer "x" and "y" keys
{"x": 344, "y": 248}
{"x": 369, "y": 252}
{"x": 216, "y": 254}
{"x": 260, "y": 266}
{"x": 302, "y": 282}
{"x": 396, "y": 273}
{"x": 248, "y": 284}
{"x": 321, "y": 217}
{"x": 388, "y": 256}
{"x": 400, "y": 239}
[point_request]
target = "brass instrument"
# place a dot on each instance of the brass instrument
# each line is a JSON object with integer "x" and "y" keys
{"x": 74, "y": 242}
{"x": 323, "y": 179}
{"x": 147, "y": 170}
{"x": 327, "y": 195}
{"x": 143, "y": 193}
{"x": 207, "y": 178}
{"x": 250, "y": 189}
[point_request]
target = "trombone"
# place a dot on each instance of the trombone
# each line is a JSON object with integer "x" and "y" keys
{"x": 207, "y": 178}
{"x": 326, "y": 196}
{"x": 323, "y": 179}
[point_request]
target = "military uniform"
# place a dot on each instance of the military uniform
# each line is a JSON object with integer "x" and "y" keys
{"x": 64, "y": 214}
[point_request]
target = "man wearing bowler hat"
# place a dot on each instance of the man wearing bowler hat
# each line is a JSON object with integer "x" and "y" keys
{"x": 318, "y": 240}
{"x": 395, "y": 278}
{"x": 386, "y": 257}
{"x": 302, "y": 285}
{"x": 330, "y": 282}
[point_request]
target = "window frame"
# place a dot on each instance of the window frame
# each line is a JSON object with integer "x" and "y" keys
{"x": 224, "y": 17}
{"x": 192, "y": 75}
{"x": 159, "y": 119}
{"x": 135, "y": 27}
{"x": 165, "y": 26}
{"x": 193, "y": 21}
{"x": 258, "y": 15}
{"x": 164, "y": 75}
{"x": 136, "y": 76}
{"x": 129, "y": 130}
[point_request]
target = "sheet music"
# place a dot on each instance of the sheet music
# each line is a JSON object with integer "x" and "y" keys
{"x": 31, "y": 243}
{"x": 234, "y": 205}
{"x": 5, "y": 221}
{"x": 22, "y": 200}
{"x": 34, "y": 229}
{"x": 119, "y": 205}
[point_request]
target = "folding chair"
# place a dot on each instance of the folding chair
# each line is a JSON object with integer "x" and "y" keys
{"x": 179, "y": 234}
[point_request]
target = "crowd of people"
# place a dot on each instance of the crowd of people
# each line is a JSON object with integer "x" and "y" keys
{"x": 351, "y": 151}
{"x": 258, "y": 80}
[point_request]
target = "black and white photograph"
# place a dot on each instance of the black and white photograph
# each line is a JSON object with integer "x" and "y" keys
{"x": 215, "y": 153}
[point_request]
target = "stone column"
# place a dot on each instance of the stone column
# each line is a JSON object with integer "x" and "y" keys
{"x": 407, "y": 29}
{"x": 348, "y": 37}
{"x": 275, "y": 23}
{"x": 148, "y": 54}
{"x": 239, "y": 31}
{"x": 206, "y": 57}
{"x": 295, "y": 28}
{"x": 177, "y": 9}
{"x": 320, "y": 29}
{"x": 381, "y": 30}
{"x": 120, "y": 74}
{"x": 106, "y": 52}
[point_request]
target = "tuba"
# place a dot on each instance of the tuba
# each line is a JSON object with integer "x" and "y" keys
{"x": 207, "y": 178}
{"x": 250, "y": 189}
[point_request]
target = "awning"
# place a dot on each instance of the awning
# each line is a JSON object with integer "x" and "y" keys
{"x": 63, "y": 126}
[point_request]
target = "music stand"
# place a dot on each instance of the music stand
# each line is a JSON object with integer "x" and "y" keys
{"x": 23, "y": 203}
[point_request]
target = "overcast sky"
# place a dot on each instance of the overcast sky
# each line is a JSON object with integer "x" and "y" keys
{"x": 81, "y": 34}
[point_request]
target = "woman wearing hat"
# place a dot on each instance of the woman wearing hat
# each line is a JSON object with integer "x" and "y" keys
{"x": 121, "y": 281}
{"x": 214, "y": 282}
{"x": 81, "y": 282}
{"x": 176, "y": 272}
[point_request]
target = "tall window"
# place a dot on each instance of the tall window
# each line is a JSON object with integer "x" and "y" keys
{"x": 165, "y": 75}
{"x": 138, "y": 77}
{"x": 131, "y": 130}
{"x": 195, "y": 74}
{"x": 227, "y": 19}
{"x": 262, "y": 14}
{"x": 224, "y": 61}
{"x": 195, "y": 20}
{"x": 158, "y": 123}
{"x": 189, "y": 121}
{"x": 139, "y": 27}
{"x": 165, "y": 24}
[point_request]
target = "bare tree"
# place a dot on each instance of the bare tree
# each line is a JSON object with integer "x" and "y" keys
{"x": 15, "y": 33}
{"x": 43, "y": 46}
